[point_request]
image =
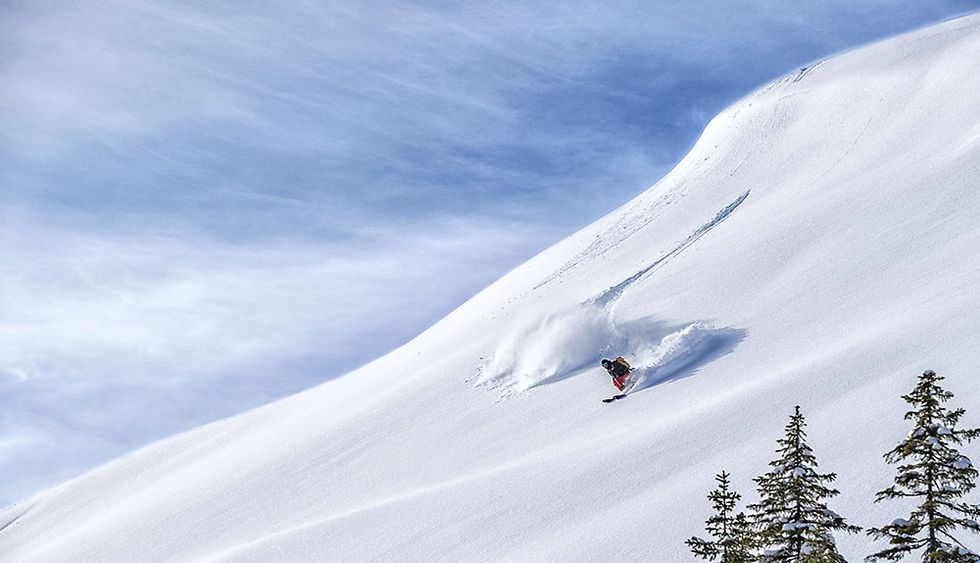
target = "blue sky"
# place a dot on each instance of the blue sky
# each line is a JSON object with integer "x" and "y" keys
{"x": 208, "y": 205}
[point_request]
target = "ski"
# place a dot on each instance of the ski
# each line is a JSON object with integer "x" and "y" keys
{"x": 614, "y": 398}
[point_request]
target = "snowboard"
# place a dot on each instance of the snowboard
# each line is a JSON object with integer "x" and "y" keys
{"x": 614, "y": 398}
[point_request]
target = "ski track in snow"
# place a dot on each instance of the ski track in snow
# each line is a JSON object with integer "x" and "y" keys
{"x": 609, "y": 297}
{"x": 15, "y": 518}
{"x": 807, "y": 70}
{"x": 640, "y": 214}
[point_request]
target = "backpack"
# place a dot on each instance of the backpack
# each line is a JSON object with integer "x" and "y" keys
{"x": 622, "y": 361}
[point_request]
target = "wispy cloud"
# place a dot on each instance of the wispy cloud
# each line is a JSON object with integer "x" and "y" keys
{"x": 206, "y": 205}
{"x": 113, "y": 341}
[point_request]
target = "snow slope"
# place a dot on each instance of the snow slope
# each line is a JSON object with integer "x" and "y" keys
{"x": 819, "y": 245}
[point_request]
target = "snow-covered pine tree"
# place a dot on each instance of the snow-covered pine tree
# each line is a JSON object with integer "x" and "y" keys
{"x": 732, "y": 533}
{"x": 932, "y": 470}
{"x": 794, "y": 524}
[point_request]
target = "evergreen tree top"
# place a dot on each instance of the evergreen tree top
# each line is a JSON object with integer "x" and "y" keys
{"x": 932, "y": 470}
{"x": 929, "y": 414}
{"x": 796, "y": 457}
{"x": 793, "y": 521}
{"x": 723, "y": 499}
{"x": 731, "y": 533}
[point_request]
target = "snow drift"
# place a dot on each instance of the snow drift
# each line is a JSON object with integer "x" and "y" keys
{"x": 818, "y": 246}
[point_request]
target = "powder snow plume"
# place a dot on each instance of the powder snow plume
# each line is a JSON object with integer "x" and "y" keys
{"x": 547, "y": 347}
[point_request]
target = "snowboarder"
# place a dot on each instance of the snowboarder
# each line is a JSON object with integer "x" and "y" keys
{"x": 619, "y": 369}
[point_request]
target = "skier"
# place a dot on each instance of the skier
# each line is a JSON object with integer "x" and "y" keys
{"x": 619, "y": 369}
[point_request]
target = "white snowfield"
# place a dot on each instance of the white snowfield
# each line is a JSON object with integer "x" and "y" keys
{"x": 820, "y": 245}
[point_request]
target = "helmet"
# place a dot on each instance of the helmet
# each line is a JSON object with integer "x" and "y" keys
{"x": 606, "y": 364}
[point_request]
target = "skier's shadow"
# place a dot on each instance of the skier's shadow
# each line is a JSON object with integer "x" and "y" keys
{"x": 710, "y": 345}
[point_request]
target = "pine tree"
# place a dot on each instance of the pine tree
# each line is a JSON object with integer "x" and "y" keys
{"x": 932, "y": 470}
{"x": 731, "y": 532}
{"x": 794, "y": 523}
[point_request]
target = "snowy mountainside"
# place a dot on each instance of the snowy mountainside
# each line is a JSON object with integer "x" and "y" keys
{"x": 820, "y": 245}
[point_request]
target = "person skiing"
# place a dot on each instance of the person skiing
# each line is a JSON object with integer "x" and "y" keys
{"x": 619, "y": 369}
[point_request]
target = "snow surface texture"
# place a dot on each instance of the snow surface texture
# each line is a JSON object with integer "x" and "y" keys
{"x": 819, "y": 245}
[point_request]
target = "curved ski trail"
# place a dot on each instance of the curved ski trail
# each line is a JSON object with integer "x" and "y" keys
{"x": 609, "y": 297}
